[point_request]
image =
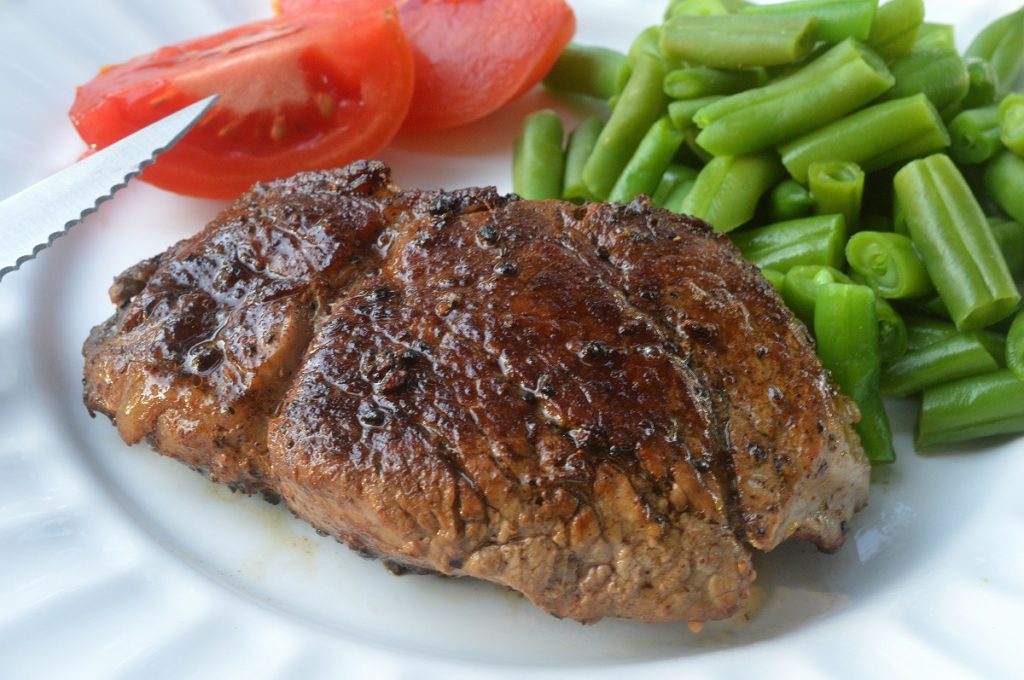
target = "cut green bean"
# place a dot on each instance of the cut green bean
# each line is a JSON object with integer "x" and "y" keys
{"x": 933, "y": 36}
{"x": 889, "y": 264}
{"x": 957, "y": 356}
{"x": 1015, "y": 346}
{"x": 1011, "y": 122}
{"x": 590, "y": 71}
{"x": 641, "y": 103}
{"x": 939, "y": 74}
{"x": 1004, "y": 177}
{"x": 695, "y": 8}
{"x": 1010, "y": 237}
{"x": 837, "y": 187}
{"x": 537, "y": 162}
{"x": 894, "y": 30}
{"x": 983, "y": 83}
{"x": 874, "y": 138}
{"x": 676, "y": 198}
{"x": 649, "y": 162}
{"x": 975, "y": 136}
{"x": 728, "y": 189}
{"x": 800, "y": 291}
{"x": 1001, "y": 43}
{"x": 970, "y": 408}
{"x": 809, "y": 240}
{"x": 801, "y": 285}
{"x": 675, "y": 174}
{"x": 923, "y": 331}
{"x": 682, "y": 112}
{"x": 837, "y": 19}
{"x": 790, "y": 200}
{"x": 846, "y": 330}
{"x": 703, "y": 81}
{"x": 581, "y": 144}
{"x": 775, "y": 277}
{"x": 956, "y": 243}
{"x": 734, "y": 41}
{"x": 842, "y": 80}
{"x": 646, "y": 43}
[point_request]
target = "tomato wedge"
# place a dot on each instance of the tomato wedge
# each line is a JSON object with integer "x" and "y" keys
{"x": 472, "y": 56}
{"x": 313, "y": 90}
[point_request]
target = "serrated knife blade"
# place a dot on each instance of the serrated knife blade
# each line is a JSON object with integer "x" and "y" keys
{"x": 33, "y": 218}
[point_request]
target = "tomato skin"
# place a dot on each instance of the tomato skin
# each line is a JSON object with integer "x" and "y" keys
{"x": 309, "y": 91}
{"x": 471, "y": 56}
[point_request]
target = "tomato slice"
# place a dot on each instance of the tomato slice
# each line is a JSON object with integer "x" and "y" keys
{"x": 471, "y": 56}
{"x": 314, "y": 90}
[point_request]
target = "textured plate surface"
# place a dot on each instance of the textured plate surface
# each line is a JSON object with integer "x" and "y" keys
{"x": 115, "y": 562}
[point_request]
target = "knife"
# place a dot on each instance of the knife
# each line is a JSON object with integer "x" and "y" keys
{"x": 31, "y": 219}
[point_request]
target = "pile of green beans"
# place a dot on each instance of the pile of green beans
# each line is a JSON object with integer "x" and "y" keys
{"x": 873, "y": 172}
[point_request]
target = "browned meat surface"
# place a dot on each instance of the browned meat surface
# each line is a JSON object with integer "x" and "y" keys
{"x": 603, "y": 407}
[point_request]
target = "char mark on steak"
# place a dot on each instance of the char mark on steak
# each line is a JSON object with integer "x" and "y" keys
{"x": 603, "y": 407}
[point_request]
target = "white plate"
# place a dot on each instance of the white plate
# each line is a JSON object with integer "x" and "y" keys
{"x": 115, "y": 562}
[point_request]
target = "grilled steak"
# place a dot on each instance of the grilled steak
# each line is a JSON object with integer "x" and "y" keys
{"x": 603, "y": 407}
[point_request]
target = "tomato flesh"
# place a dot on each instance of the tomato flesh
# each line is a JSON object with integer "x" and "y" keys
{"x": 296, "y": 93}
{"x": 471, "y": 56}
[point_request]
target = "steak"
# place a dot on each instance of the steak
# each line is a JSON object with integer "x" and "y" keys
{"x": 602, "y": 406}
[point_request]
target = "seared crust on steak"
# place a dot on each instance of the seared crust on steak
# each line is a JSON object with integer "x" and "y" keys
{"x": 603, "y": 407}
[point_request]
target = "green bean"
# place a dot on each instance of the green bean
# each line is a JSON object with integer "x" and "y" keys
{"x": 892, "y": 331}
{"x": 957, "y": 356}
{"x": 682, "y": 112}
{"x": 800, "y": 291}
{"x": 728, "y": 189}
{"x": 1010, "y": 237}
{"x": 923, "y": 331}
{"x": 590, "y": 71}
{"x": 1001, "y": 43}
{"x": 695, "y": 8}
{"x": 674, "y": 175}
{"x": 873, "y": 138}
{"x": 982, "y": 88}
{"x": 738, "y": 41}
{"x": 956, "y": 243}
{"x": 1011, "y": 122}
{"x": 537, "y": 162}
{"x": 894, "y": 30}
{"x": 581, "y": 144}
{"x": 940, "y": 74}
{"x": 676, "y": 198}
{"x": 932, "y": 36}
{"x": 1015, "y": 346}
{"x": 1004, "y": 177}
{"x": 837, "y": 19}
{"x": 703, "y": 81}
{"x": 975, "y": 136}
{"x": 646, "y": 43}
{"x": 790, "y": 200}
{"x": 970, "y": 408}
{"x": 695, "y": 149}
{"x": 649, "y": 162}
{"x": 846, "y": 330}
{"x": 735, "y": 6}
{"x": 809, "y": 240}
{"x": 843, "y": 79}
{"x": 641, "y": 103}
{"x": 889, "y": 264}
{"x": 775, "y": 277}
{"x": 837, "y": 187}
{"x": 801, "y": 284}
